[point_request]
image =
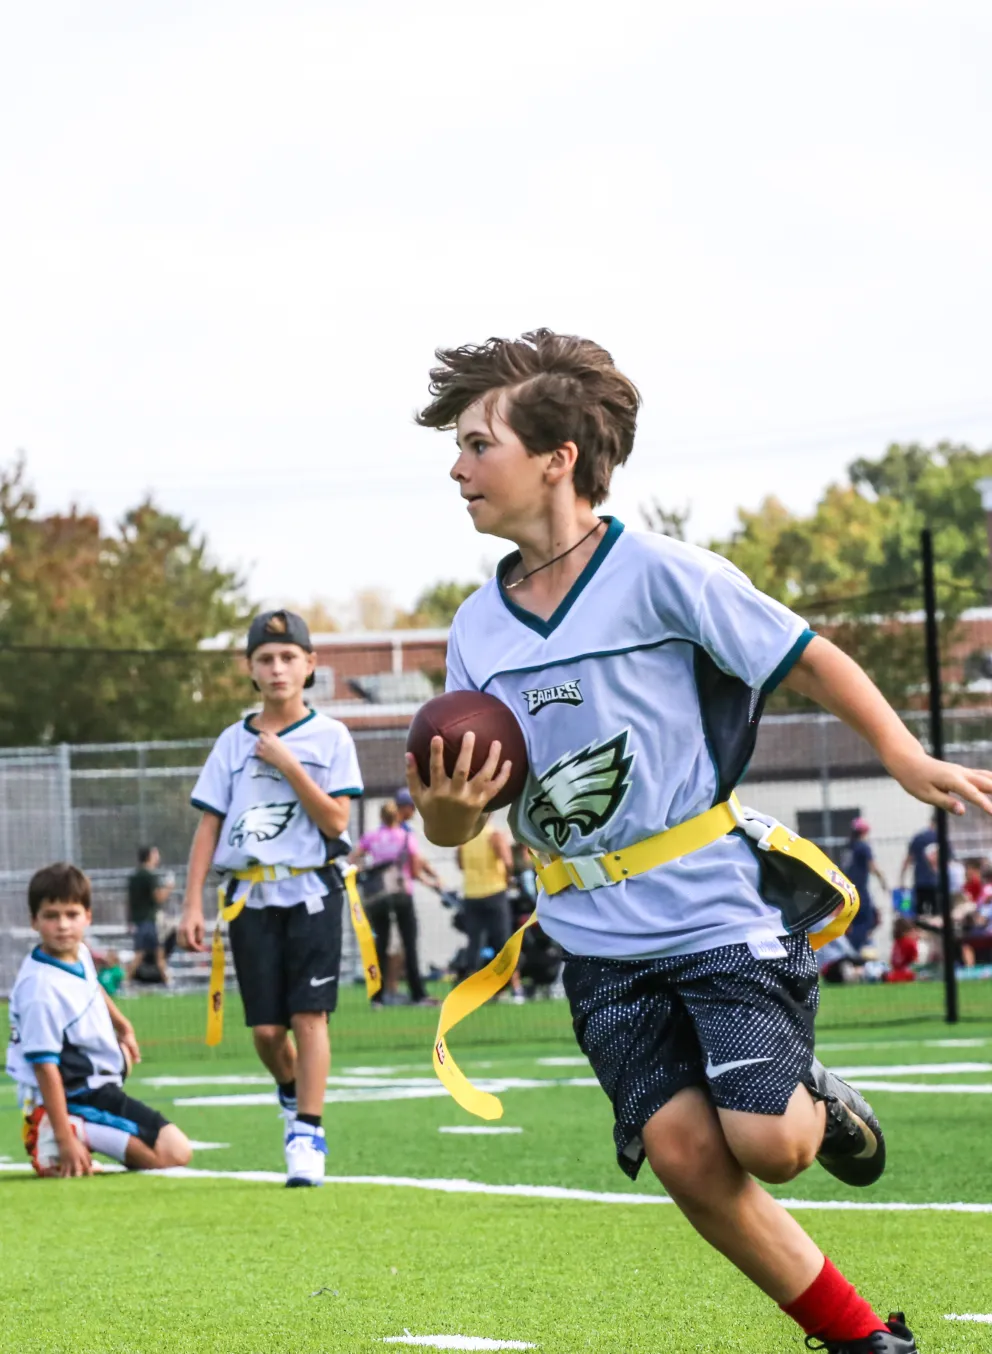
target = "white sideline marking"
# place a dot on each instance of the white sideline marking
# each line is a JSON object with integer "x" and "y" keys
{"x": 971, "y": 1316}
{"x": 925, "y": 1087}
{"x": 563, "y": 1062}
{"x": 207, "y": 1146}
{"x": 206, "y": 1080}
{"x": 900, "y": 1043}
{"x": 910, "y": 1069}
{"x": 407, "y": 1088}
{"x": 533, "y": 1191}
{"x": 477, "y": 1128}
{"x": 454, "y": 1342}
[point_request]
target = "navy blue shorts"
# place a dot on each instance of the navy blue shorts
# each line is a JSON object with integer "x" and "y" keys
{"x": 110, "y": 1105}
{"x": 737, "y": 1025}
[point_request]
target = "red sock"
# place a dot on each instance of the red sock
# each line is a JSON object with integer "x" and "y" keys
{"x": 832, "y": 1309}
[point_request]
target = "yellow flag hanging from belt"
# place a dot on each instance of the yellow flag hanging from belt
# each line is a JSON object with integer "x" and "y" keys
{"x": 228, "y": 911}
{"x": 816, "y": 898}
{"x": 460, "y": 1002}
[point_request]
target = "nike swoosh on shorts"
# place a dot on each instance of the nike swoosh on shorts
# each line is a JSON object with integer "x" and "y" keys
{"x": 319, "y": 982}
{"x": 713, "y": 1069}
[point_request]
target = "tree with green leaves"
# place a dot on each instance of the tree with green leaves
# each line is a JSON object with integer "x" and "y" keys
{"x": 852, "y": 565}
{"x": 100, "y": 629}
{"x": 436, "y": 606}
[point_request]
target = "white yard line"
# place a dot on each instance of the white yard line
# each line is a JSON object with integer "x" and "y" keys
{"x": 454, "y": 1342}
{"x": 552, "y": 1192}
{"x": 909, "y": 1069}
{"x": 477, "y": 1129}
{"x": 971, "y": 1316}
{"x": 854, "y": 1045}
{"x": 924, "y": 1087}
{"x": 408, "y": 1088}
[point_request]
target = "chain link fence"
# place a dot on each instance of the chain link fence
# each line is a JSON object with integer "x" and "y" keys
{"x": 96, "y": 804}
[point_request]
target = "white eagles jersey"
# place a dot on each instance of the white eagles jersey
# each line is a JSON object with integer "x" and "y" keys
{"x": 263, "y": 821}
{"x": 58, "y": 1014}
{"x": 639, "y": 701}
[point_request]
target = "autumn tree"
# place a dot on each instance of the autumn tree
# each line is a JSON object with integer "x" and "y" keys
{"x": 100, "y": 628}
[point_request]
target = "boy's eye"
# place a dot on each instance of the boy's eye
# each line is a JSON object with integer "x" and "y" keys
{"x": 478, "y": 448}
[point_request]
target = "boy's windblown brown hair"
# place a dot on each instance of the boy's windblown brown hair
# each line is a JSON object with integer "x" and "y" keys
{"x": 561, "y": 389}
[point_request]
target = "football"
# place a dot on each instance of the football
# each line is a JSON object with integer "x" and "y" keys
{"x": 454, "y": 715}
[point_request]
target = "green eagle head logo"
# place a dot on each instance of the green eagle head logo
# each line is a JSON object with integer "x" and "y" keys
{"x": 582, "y": 790}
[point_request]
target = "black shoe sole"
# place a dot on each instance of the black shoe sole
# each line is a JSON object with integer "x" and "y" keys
{"x": 845, "y": 1106}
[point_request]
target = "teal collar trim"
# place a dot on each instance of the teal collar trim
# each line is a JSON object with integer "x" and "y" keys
{"x": 76, "y": 969}
{"x": 282, "y": 732}
{"x": 543, "y": 628}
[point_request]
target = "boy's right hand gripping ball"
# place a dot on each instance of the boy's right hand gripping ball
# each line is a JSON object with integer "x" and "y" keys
{"x": 454, "y": 715}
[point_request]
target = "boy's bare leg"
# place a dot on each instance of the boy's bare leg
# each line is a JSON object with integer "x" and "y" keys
{"x": 171, "y": 1149}
{"x": 687, "y": 1149}
{"x": 313, "y": 1060}
{"x": 276, "y": 1050}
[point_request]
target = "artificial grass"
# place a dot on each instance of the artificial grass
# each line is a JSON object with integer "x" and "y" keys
{"x": 135, "y": 1266}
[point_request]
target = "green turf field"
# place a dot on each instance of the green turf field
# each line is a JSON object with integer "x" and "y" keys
{"x": 149, "y": 1265}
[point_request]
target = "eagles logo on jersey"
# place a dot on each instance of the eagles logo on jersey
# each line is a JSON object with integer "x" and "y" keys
{"x": 582, "y": 790}
{"x": 263, "y": 822}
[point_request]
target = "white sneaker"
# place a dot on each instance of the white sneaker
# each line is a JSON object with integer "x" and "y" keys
{"x": 305, "y": 1154}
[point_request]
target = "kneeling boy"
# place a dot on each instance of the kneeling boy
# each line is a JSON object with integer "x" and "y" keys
{"x": 70, "y": 1048}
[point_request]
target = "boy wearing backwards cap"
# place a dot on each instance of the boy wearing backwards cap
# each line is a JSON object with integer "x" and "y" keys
{"x": 276, "y": 791}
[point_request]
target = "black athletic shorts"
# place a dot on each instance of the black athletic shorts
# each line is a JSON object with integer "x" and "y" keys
{"x": 110, "y": 1106}
{"x": 287, "y": 959}
{"x": 740, "y": 1026}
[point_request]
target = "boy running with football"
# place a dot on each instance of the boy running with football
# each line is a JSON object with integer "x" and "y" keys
{"x": 692, "y": 998}
{"x": 70, "y": 1048}
{"x": 276, "y": 792}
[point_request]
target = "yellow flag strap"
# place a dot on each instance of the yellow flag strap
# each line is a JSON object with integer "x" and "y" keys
{"x": 460, "y": 1002}
{"x": 590, "y": 872}
{"x": 363, "y": 933}
{"x": 229, "y": 910}
{"x": 593, "y": 871}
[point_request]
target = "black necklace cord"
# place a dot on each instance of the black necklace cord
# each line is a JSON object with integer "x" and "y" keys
{"x": 508, "y": 587}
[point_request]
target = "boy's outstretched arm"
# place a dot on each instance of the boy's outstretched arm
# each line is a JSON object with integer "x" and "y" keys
{"x": 828, "y": 676}
{"x": 74, "y": 1156}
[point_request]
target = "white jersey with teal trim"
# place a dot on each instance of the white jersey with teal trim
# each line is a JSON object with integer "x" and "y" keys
{"x": 639, "y": 701}
{"x": 263, "y": 821}
{"x": 58, "y": 1014}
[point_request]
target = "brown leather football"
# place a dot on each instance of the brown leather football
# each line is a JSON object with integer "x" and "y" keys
{"x": 454, "y": 715}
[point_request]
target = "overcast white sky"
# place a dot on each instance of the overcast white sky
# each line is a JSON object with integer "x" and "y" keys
{"x": 233, "y": 232}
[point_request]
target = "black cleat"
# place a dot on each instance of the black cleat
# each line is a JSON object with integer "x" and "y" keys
{"x": 853, "y": 1148}
{"x": 896, "y": 1339}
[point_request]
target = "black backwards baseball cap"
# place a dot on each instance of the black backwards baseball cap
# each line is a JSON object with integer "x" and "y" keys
{"x": 279, "y": 627}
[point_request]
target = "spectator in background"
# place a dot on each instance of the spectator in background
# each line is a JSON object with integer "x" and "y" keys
{"x": 859, "y": 865}
{"x": 391, "y": 861}
{"x": 905, "y": 951}
{"x": 146, "y": 893}
{"x": 407, "y": 810}
{"x": 973, "y": 882}
{"x": 486, "y": 863}
{"x": 926, "y": 880}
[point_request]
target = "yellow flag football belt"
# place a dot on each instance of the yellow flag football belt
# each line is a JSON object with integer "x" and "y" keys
{"x": 814, "y": 896}
{"x": 228, "y": 910}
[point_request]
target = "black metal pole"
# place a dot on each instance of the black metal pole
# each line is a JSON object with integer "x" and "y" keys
{"x": 937, "y": 749}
